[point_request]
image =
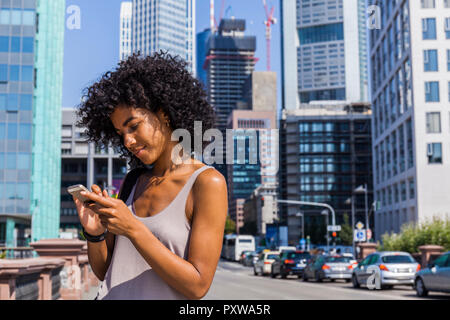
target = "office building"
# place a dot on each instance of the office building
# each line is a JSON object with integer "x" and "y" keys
{"x": 202, "y": 47}
{"x": 229, "y": 62}
{"x": 324, "y": 51}
{"x": 126, "y": 14}
{"x": 167, "y": 25}
{"x": 255, "y": 142}
{"x": 325, "y": 154}
{"x": 410, "y": 68}
{"x": 87, "y": 164}
{"x": 31, "y": 65}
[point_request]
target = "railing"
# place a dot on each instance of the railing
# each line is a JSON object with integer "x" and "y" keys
{"x": 59, "y": 269}
{"x": 16, "y": 253}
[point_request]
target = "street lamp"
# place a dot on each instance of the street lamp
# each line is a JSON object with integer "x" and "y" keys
{"x": 352, "y": 202}
{"x": 363, "y": 189}
{"x": 325, "y": 213}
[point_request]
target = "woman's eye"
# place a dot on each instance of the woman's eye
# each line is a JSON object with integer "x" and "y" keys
{"x": 134, "y": 127}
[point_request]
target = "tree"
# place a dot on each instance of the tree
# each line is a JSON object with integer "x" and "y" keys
{"x": 412, "y": 236}
{"x": 346, "y": 233}
{"x": 230, "y": 226}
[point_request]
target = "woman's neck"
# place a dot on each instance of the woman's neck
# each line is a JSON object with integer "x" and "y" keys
{"x": 165, "y": 165}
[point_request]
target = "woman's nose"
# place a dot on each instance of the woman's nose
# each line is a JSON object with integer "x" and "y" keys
{"x": 129, "y": 141}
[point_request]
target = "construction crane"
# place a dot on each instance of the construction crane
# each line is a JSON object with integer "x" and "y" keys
{"x": 268, "y": 23}
{"x": 214, "y": 24}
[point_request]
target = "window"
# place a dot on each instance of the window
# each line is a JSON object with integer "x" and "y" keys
{"x": 428, "y": 4}
{"x": 27, "y": 45}
{"x": 4, "y": 44}
{"x": 430, "y": 59}
{"x": 433, "y": 122}
{"x": 448, "y": 59}
{"x": 432, "y": 91}
{"x": 27, "y": 73}
{"x": 429, "y": 29}
{"x": 412, "y": 189}
{"x": 3, "y": 72}
{"x": 434, "y": 153}
{"x": 447, "y": 28}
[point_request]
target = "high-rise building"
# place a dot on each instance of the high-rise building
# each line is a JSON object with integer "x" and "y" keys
{"x": 324, "y": 51}
{"x": 202, "y": 47}
{"x": 229, "y": 62}
{"x": 230, "y": 59}
{"x": 31, "y": 63}
{"x": 410, "y": 95}
{"x": 255, "y": 142}
{"x": 87, "y": 164}
{"x": 326, "y": 153}
{"x": 126, "y": 14}
{"x": 165, "y": 25}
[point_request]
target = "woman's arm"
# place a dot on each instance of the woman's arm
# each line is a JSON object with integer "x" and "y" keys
{"x": 193, "y": 277}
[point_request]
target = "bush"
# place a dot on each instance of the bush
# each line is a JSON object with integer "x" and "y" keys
{"x": 412, "y": 236}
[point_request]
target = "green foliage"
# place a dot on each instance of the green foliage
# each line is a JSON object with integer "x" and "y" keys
{"x": 346, "y": 234}
{"x": 3, "y": 254}
{"x": 412, "y": 236}
{"x": 230, "y": 226}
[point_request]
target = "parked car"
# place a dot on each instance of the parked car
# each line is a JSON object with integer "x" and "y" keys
{"x": 263, "y": 265}
{"x": 286, "y": 248}
{"x": 249, "y": 259}
{"x": 329, "y": 267}
{"x": 435, "y": 277}
{"x": 290, "y": 263}
{"x": 386, "y": 269}
{"x": 243, "y": 255}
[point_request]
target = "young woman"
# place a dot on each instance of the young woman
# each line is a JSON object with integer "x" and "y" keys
{"x": 164, "y": 241}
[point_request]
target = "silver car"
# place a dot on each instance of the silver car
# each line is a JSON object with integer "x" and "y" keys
{"x": 436, "y": 277}
{"x": 383, "y": 270}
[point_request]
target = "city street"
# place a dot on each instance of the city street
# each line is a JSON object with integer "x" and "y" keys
{"x": 236, "y": 282}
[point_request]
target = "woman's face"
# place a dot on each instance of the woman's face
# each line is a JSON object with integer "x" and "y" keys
{"x": 144, "y": 133}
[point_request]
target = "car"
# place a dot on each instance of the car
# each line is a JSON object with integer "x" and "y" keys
{"x": 329, "y": 267}
{"x": 290, "y": 263}
{"x": 243, "y": 255}
{"x": 383, "y": 270}
{"x": 435, "y": 277}
{"x": 249, "y": 258}
{"x": 286, "y": 248}
{"x": 263, "y": 265}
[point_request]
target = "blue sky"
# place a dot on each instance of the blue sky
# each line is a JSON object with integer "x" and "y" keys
{"x": 94, "y": 48}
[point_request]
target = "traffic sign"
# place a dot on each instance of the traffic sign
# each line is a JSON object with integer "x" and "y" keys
{"x": 369, "y": 234}
{"x": 359, "y": 235}
{"x": 359, "y": 225}
{"x": 334, "y": 228}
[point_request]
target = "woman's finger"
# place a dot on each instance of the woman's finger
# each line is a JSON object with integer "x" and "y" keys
{"x": 105, "y": 193}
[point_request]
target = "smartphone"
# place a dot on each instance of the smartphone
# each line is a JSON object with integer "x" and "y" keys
{"x": 75, "y": 190}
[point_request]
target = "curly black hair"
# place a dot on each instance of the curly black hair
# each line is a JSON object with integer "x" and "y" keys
{"x": 156, "y": 82}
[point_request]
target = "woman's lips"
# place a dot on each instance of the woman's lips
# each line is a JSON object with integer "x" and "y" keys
{"x": 140, "y": 152}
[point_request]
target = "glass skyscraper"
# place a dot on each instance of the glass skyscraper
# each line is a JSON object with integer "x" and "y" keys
{"x": 126, "y": 14}
{"x": 323, "y": 51}
{"x": 31, "y": 62}
{"x": 165, "y": 25}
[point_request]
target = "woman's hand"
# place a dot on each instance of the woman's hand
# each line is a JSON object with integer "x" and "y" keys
{"x": 88, "y": 217}
{"x": 113, "y": 214}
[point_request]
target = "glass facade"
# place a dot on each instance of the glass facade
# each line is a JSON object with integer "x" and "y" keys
{"x": 324, "y": 158}
{"x": 46, "y": 160}
{"x": 164, "y": 25}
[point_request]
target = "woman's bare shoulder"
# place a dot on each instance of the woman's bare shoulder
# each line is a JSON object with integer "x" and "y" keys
{"x": 210, "y": 179}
